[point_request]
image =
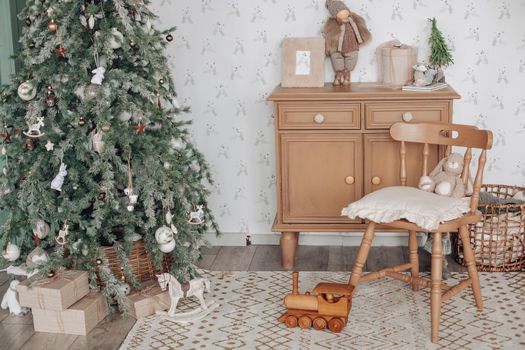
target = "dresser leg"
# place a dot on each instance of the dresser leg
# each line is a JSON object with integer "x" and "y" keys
{"x": 288, "y": 247}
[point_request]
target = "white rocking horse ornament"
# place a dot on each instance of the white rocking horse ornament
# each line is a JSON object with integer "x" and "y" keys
{"x": 176, "y": 291}
{"x": 34, "y": 128}
{"x": 197, "y": 217}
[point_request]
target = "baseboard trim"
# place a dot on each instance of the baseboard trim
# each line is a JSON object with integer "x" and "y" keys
{"x": 388, "y": 239}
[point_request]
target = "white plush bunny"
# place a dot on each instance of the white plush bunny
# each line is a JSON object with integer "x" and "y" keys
{"x": 423, "y": 75}
{"x": 58, "y": 181}
{"x": 10, "y": 300}
{"x": 98, "y": 78}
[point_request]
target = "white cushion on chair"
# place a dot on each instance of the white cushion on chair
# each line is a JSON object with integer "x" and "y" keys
{"x": 425, "y": 209}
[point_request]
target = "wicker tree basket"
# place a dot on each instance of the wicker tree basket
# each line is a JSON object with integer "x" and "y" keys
{"x": 498, "y": 239}
{"x": 139, "y": 261}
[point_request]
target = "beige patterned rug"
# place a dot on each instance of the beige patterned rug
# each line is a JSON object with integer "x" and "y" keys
{"x": 386, "y": 314}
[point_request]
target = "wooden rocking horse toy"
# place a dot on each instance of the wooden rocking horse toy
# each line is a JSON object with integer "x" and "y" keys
{"x": 329, "y": 308}
{"x": 176, "y": 291}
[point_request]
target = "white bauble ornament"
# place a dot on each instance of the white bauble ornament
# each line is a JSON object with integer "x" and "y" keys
{"x": 168, "y": 247}
{"x": 130, "y": 208}
{"x": 116, "y": 41}
{"x": 11, "y": 252}
{"x": 26, "y": 91}
{"x": 164, "y": 235}
{"x": 40, "y": 228}
{"x": 124, "y": 288}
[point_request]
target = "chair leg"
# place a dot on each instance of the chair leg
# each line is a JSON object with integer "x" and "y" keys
{"x": 435, "y": 293}
{"x": 414, "y": 258}
{"x": 471, "y": 266}
{"x": 362, "y": 255}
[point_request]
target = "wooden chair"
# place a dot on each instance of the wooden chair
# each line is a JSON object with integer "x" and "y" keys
{"x": 448, "y": 135}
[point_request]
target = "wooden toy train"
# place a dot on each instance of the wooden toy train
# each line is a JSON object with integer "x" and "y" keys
{"x": 328, "y": 308}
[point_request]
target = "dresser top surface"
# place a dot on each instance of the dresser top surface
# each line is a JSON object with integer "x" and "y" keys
{"x": 359, "y": 91}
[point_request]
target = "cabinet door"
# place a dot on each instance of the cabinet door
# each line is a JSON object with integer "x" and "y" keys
{"x": 383, "y": 162}
{"x": 321, "y": 174}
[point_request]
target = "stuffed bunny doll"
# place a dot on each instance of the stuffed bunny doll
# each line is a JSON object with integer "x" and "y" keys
{"x": 445, "y": 179}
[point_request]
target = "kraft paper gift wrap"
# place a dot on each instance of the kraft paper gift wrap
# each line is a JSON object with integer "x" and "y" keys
{"x": 56, "y": 293}
{"x": 395, "y": 62}
{"x": 148, "y": 300}
{"x": 79, "y": 319}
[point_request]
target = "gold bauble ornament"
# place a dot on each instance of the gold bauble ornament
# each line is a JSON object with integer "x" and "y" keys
{"x": 169, "y": 37}
{"x": 51, "y": 274}
{"x": 52, "y": 26}
{"x": 105, "y": 128}
{"x": 29, "y": 144}
{"x": 50, "y": 100}
{"x": 99, "y": 261}
{"x": 81, "y": 121}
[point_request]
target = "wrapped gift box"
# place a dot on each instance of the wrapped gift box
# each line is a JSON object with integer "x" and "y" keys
{"x": 56, "y": 293}
{"x": 396, "y": 63}
{"x": 79, "y": 319}
{"x": 148, "y": 300}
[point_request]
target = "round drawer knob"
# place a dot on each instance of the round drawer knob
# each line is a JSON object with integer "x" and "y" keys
{"x": 408, "y": 117}
{"x": 319, "y": 118}
{"x": 349, "y": 180}
{"x": 376, "y": 180}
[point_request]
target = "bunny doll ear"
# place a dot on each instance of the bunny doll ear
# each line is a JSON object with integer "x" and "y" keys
{"x": 438, "y": 168}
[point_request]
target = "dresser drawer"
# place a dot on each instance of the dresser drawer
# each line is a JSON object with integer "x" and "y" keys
{"x": 319, "y": 115}
{"x": 381, "y": 115}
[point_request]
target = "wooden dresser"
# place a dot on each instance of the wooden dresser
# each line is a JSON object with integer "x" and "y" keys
{"x": 333, "y": 147}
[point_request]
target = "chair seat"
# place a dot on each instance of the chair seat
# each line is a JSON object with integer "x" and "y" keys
{"x": 420, "y": 210}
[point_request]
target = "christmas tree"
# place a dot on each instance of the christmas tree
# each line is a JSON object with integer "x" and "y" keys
{"x": 94, "y": 153}
{"x": 440, "y": 54}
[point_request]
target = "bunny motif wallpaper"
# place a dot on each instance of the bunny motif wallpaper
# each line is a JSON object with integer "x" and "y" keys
{"x": 226, "y": 60}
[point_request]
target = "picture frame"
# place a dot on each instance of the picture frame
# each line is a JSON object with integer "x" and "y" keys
{"x": 303, "y": 62}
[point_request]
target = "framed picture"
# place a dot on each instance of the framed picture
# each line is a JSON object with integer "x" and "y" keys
{"x": 303, "y": 62}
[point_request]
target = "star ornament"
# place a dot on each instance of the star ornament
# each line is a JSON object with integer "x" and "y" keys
{"x": 6, "y": 136}
{"x": 140, "y": 128}
{"x": 49, "y": 146}
{"x": 60, "y": 52}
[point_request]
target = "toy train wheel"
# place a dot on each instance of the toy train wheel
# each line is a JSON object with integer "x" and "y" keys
{"x": 335, "y": 325}
{"x": 319, "y": 323}
{"x": 291, "y": 321}
{"x": 305, "y": 322}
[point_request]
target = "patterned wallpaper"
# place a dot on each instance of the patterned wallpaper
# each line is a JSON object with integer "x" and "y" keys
{"x": 226, "y": 59}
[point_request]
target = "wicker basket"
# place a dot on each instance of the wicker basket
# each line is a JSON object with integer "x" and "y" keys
{"x": 498, "y": 239}
{"x": 139, "y": 261}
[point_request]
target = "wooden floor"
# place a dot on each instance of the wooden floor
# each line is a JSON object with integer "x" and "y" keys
{"x": 17, "y": 332}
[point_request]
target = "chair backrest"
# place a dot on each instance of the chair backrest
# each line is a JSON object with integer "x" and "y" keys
{"x": 446, "y": 135}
